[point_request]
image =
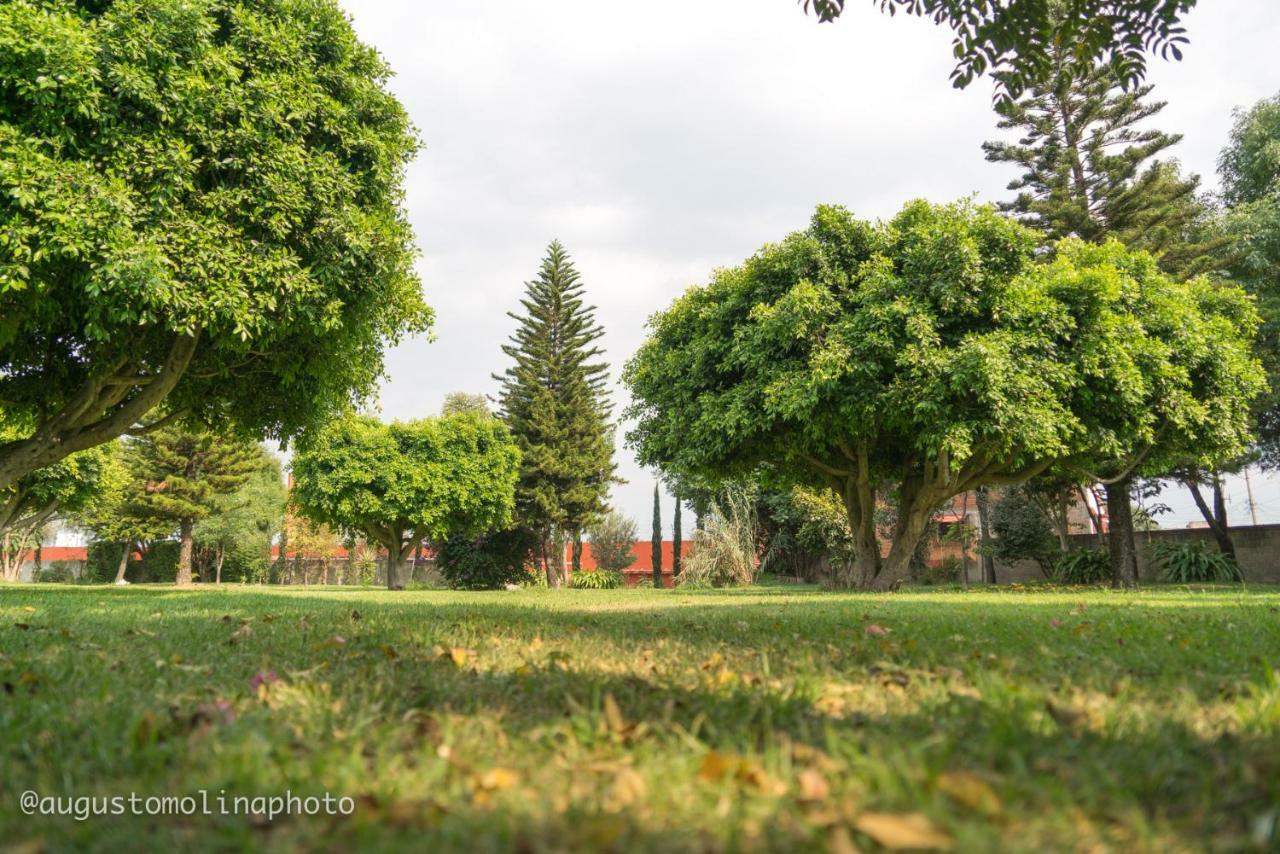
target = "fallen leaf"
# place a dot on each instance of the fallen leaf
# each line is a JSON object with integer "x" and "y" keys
{"x": 613, "y": 715}
{"x": 813, "y": 786}
{"x": 23, "y": 626}
{"x": 241, "y": 633}
{"x": 28, "y": 609}
{"x": 970, "y": 790}
{"x": 875, "y": 630}
{"x": 716, "y": 766}
{"x": 458, "y": 655}
{"x": 497, "y": 779}
{"x": 902, "y": 831}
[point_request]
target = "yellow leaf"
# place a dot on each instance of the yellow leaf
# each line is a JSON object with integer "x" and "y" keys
{"x": 970, "y": 790}
{"x": 613, "y": 715}
{"x": 28, "y": 609}
{"x": 902, "y": 831}
{"x": 535, "y": 644}
{"x": 498, "y": 779}
{"x": 716, "y": 766}
{"x": 458, "y": 655}
{"x": 813, "y": 786}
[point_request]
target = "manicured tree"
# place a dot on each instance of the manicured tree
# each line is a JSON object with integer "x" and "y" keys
{"x": 188, "y": 475}
{"x": 111, "y": 517}
{"x": 655, "y": 542}
{"x": 247, "y": 520}
{"x": 1016, "y": 39}
{"x": 202, "y": 207}
{"x": 400, "y": 483}
{"x": 555, "y": 401}
{"x": 675, "y": 539}
{"x": 919, "y": 358}
{"x": 613, "y": 540}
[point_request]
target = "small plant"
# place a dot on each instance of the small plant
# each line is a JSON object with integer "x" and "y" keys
{"x": 599, "y": 579}
{"x": 947, "y": 571}
{"x": 1193, "y": 562}
{"x": 1083, "y": 566}
{"x": 725, "y": 550}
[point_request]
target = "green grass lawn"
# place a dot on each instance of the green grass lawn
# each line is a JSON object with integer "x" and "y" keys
{"x": 776, "y": 718}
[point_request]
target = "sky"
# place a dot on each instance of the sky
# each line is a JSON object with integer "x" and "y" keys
{"x": 661, "y": 140}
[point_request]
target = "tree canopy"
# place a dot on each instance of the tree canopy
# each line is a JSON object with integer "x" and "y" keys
{"x": 933, "y": 353}
{"x": 1015, "y": 40}
{"x": 200, "y": 204}
{"x": 408, "y": 481}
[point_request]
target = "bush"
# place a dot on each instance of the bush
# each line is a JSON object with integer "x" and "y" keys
{"x": 948, "y": 571}
{"x": 612, "y": 538}
{"x": 1083, "y": 566}
{"x": 57, "y": 572}
{"x": 488, "y": 562}
{"x": 724, "y": 551}
{"x": 160, "y": 563}
{"x": 1022, "y": 531}
{"x": 1193, "y": 562}
{"x": 600, "y": 579}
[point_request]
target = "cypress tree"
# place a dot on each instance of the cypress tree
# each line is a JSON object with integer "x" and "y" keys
{"x": 676, "y": 540}
{"x": 554, "y": 399}
{"x": 186, "y": 475}
{"x": 655, "y": 543}
{"x": 1089, "y": 172}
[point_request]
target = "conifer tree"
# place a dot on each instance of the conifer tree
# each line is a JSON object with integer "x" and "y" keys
{"x": 555, "y": 401}
{"x": 186, "y": 475}
{"x": 676, "y": 539}
{"x": 1090, "y": 171}
{"x": 655, "y": 542}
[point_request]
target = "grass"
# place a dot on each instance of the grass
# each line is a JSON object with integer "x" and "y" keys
{"x": 773, "y": 718}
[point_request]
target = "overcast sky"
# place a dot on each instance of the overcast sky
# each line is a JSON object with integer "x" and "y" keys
{"x": 659, "y": 140}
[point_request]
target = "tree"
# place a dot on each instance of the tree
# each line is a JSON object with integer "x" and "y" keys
{"x": 920, "y": 358}
{"x": 676, "y": 538}
{"x": 247, "y": 521}
{"x": 613, "y": 540}
{"x": 555, "y": 401}
{"x": 26, "y": 507}
{"x": 1016, "y": 39}
{"x": 456, "y": 402}
{"x": 655, "y": 541}
{"x": 401, "y": 483}
{"x": 187, "y": 476}
{"x": 201, "y": 208}
{"x": 1023, "y": 532}
{"x": 1249, "y": 167}
{"x": 1088, "y": 172}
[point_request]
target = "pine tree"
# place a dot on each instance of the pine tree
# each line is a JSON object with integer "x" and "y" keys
{"x": 186, "y": 475}
{"x": 655, "y": 543}
{"x": 1089, "y": 172}
{"x": 555, "y": 400}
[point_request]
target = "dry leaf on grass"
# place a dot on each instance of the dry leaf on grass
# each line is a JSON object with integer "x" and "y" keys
{"x": 970, "y": 790}
{"x": 903, "y": 831}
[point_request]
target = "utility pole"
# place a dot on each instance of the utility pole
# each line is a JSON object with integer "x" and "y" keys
{"x": 1248, "y": 488}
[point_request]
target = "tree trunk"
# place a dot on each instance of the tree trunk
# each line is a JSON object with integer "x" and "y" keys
{"x": 124, "y": 562}
{"x": 1060, "y": 523}
{"x": 984, "y": 535}
{"x": 1120, "y": 542}
{"x": 185, "y": 543}
{"x": 222, "y": 554}
{"x": 395, "y": 558}
{"x": 1217, "y": 516}
{"x": 913, "y": 519}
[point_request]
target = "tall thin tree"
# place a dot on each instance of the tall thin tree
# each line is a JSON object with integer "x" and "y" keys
{"x": 555, "y": 400}
{"x": 676, "y": 538}
{"x": 655, "y": 542}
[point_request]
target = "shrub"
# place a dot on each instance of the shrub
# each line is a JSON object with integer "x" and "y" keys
{"x": 612, "y": 538}
{"x": 1022, "y": 531}
{"x": 724, "y": 551}
{"x": 57, "y": 572}
{"x": 1083, "y": 566}
{"x": 948, "y": 571}
{"x": 487, "y": 562}
{"x": 600, "y": 579}
{"x": 1189, "y": 563}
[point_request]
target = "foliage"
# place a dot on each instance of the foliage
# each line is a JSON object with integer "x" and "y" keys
{"x": 599, "y": 579}
{"x": 1017, "y": 40}
{"x": 1088, "y": 170}
{"x": 1023, "y": 531}
{"x": 803, "y": 529}
{"x": 241, "y": 530}
{"x": 976, "y": 679}
{"x": 555, "y": 400}
{"x": 725, "y": 550}
{"x": 201, "y": 206}
{"x": 946, "y": 571}
{"x": 1083, "y": 566}
{"x": 613, "y": 538}
{"x": 655, "y": 537}
{"x": 487, "y": 562}
{"x": 1250, "y": 171}
{"x": 927, "y": 355}
{"x": 1193, "y": 562}
{"x": 57, "y": 572}
{"x": 401, "y": 483}
{"x": 457, "y": 402}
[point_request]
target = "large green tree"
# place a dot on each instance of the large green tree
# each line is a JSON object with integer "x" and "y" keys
{"x": 1250, "y": 170}
{"x": 200, "y": 205}
{"x": 920, "y": 358}
{"x": 1018, "y": 40}
{"x": 401, "y": 483}
{"x": 187, "y": 475}
{"x": 112, "y": 515}
{"x": 243, "y": 527}
{"x": 554, "y": 399}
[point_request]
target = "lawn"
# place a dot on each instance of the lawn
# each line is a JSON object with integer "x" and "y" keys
{"x": 775, "y": 718}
